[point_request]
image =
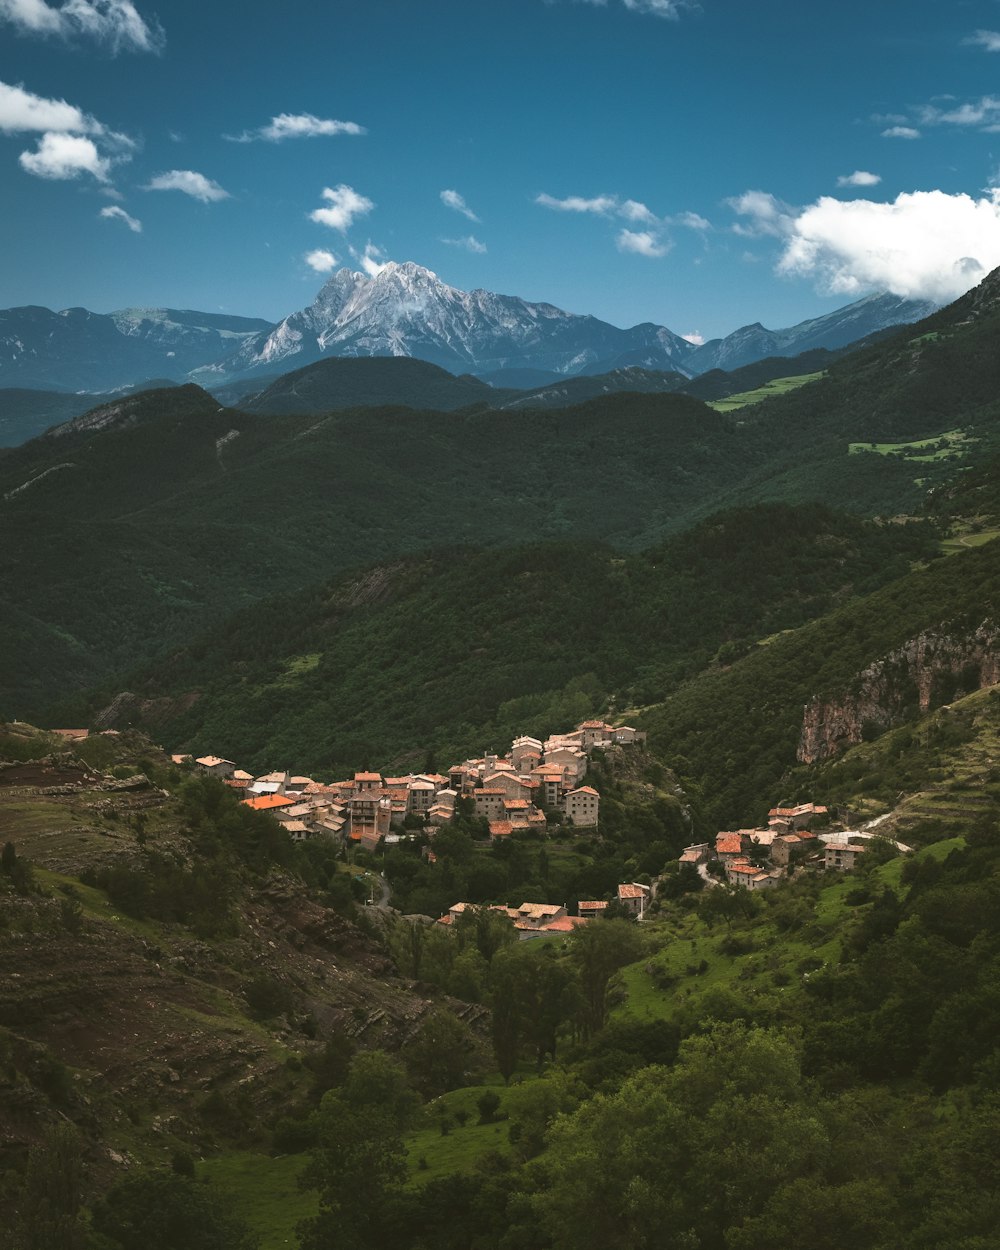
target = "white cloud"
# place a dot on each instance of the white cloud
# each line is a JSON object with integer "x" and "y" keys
{"x": 196, "y": 185}
{"x": 655, "y": 8}
{"x": 987, "y": 39}
{"x": 860, "y": 178}
{"x": 62, "y": 156}
{"x": 901, "y": 132}
{"x": 694, "y": 337}
{"x": 634, "y": 210}
{"x": 470, "y": 243}
{"x": 372, "y": 259}
{"x": 766, "y": 215}
{"x": 642, "y": 242}
{"x": 20, "y": 110}
{"x": 693, "y": 221}
{"x": 321, "y": 260}
{"x": 114, "y": 213}
{"x": 344, "y": 205}
{"x": 298, "y": 126}
{"x": 984, "y": 114}
{"x": 452, "y": 199}
{"x": 601, "y": 204}
{"x": 923, "y": 245}
{"x": 116, "y": 23}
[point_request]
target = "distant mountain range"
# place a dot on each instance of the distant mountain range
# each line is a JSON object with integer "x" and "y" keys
{"x": 402, "y": 311}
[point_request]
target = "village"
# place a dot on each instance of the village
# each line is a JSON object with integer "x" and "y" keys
{"x": 519, "y": 792}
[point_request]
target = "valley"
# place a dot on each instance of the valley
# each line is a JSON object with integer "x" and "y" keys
{"x": 465, "y": 806}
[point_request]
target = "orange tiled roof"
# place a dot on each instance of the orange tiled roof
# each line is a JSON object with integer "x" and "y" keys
{"x": 500, "y": 828}
{"x": 728, "y": 844}
{"x": 265, "y": 802}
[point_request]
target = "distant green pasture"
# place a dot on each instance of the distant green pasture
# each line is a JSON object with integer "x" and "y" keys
{"x": 948, "y": 446}
{"x": 777, "y": 386}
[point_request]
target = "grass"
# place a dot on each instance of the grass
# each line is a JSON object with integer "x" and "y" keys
{"x": 963, "y": 541}
{"x": 776, "y": 958}
{"x": 263, "y": 1191}
{"x": 948, "y": 446}
{"x": 777, "y": 386}
{"x": 96, "y": 905}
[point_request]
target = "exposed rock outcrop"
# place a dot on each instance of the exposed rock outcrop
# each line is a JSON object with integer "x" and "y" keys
{"x": 929, "y": 670}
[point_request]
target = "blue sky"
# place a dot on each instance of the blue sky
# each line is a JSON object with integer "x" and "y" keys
{"x": 697, "y": 165}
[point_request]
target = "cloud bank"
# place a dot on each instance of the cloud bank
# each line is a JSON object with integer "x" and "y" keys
{"x": 922, "y": 245}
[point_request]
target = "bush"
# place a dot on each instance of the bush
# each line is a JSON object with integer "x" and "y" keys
{"x": 488, "y": 1105}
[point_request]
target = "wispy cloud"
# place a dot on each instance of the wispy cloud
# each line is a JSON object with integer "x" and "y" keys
{"x": 642, "y": 243}
{"x": 190, "y": 183}
{"x": 114, "y": 213}
{"x": 694, "y": 338}
{"x": 901, "y": 132}
{"x": 601, "y": 206}
{"x": 604, "y": 205}
{"x": 763, "y": 214}
{"x": 671, "y": 9}
{"x": 452, "y": 199}
{"x": 115, "y": 23}
{"x": 982, "y": 114}
{"x": 986, "y": 39}
{"x": 297, "y": 126}
{"x": 860, "y": 178}
{"x": 344, "y": 204}
{"x": 692, "y": 221}
{"x": 470, "y": 243}
{"x": 61, "y": 156}
{"x": 321, "y": 260}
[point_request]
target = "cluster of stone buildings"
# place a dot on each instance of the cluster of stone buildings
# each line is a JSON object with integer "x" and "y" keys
{"x": 511, "y": 792}
{"x": 537, "y": 919}
{"x": 759, "y": 858}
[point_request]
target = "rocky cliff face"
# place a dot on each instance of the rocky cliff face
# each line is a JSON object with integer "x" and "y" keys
{"x": 924, "y": 673}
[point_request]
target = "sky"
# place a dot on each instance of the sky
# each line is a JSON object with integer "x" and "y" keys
{"x": 699, "y": 165}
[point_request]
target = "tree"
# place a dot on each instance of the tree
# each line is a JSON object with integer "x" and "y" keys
{"x": 46, "y": 1215}
{"x": 599, "y": 951}
{"x": 359, "y": 1163}
{"x": 487, "y": 929}
{"x": 163, "y": 1210}
{"x": 442, "y": 1055}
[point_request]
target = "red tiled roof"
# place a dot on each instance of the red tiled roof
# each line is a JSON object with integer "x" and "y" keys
{"x": 728, "y": 844}
{"x": 500, "y": 828}
{"x": 632, "y": 890}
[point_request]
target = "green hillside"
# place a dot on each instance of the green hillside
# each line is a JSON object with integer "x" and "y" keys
{"x": 734, "y": 730}
{"x": 453, "y": 652}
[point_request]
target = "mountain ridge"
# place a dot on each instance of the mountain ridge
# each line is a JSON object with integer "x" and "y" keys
{"x": 402, "y": 310}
